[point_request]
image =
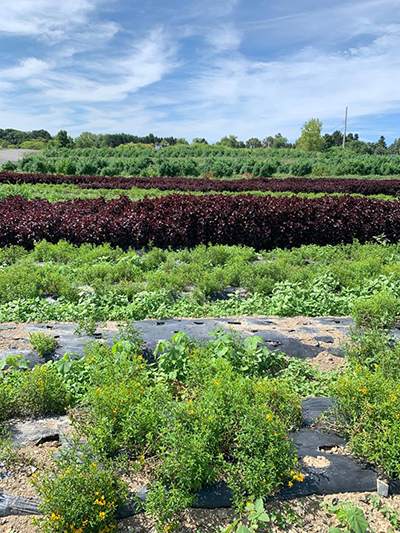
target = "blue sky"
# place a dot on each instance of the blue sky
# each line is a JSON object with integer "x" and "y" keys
{"x": 210, "y": 68}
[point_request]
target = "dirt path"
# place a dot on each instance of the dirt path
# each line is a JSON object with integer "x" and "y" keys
{"x": 13, "y": 155}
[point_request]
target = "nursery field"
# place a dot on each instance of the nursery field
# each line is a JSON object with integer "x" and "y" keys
{"x": 206, "y": 161}
{"x": 189, "y": 344}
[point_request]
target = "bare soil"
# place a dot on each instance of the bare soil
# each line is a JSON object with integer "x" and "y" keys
{"x": 312, "y": 518}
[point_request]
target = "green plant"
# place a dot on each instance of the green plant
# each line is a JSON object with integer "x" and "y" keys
{"x": 374, "y": 350}
{"x": 256, "y": 514}
{"x": 78, "y": 494}
{"x": 45, "y": 345}
{"x": 388, "y": 512}
{"x": 378, "y": 311}
{"x": 367, "y": 408}
{"x": 40, "y": 392}
{"x": 7, "y": 451}
{"x": 211, "y": 420}
{"x": 350, "y": 517}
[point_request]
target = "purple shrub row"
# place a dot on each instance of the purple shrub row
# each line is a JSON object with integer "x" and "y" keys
{"x": 295, "y": 185}
{"x": 185, "y": 221}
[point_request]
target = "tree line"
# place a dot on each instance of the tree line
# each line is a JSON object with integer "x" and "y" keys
{"x": 311, "y": 139}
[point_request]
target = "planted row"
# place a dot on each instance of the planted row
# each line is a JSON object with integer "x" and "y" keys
{"x": 295, "y": 185}
{"x": 185, "y": 221}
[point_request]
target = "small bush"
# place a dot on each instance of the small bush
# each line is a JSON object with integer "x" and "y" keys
{"x": 41, "y": 392}
{"x": 7, "y": 400}
{"x": 379, "y": 311}
{"x": 45, "y": 345}
{"x": 9, "y": 165}
{"x": 201, "y": 418}
{"x": 79, "y": 495}
{"x": 368, "y": 411}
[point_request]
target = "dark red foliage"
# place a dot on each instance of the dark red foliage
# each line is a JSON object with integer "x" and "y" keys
{"x": 185, "y": 221}
{"x": 296, "y": 185}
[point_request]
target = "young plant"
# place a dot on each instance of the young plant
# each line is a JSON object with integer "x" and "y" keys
{"x": 256, "y": 515}
{"x": 79, "y": 495}
{"x": 45, "y": 345}
{"x": 351, "y": 518}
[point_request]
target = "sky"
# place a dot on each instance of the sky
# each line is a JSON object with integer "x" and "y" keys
{"x": 250, "y": 68}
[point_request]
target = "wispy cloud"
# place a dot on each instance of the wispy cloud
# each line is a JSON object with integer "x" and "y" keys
{"x": 205, "y": 69}
{"x": 146, "y": 62}
{"x": 49, "y": 19}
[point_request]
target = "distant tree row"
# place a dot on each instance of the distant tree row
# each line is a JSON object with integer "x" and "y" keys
{"x": 311, "y": 139}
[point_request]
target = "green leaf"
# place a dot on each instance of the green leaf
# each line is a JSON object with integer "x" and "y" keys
{"x": 264, "y": 517}
{"x": 243, "y": 529}
{"x": 259, "y": 506}
{"x": 336, "y": 530}
{"x": 342, "y": 515}
{"x": 357, "y": 520}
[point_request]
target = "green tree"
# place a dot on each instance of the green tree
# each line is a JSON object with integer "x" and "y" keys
{"x": 253, "y": 143}
{"x": 279, "y": 141}
{"x": 64, "y": 140}
{"x": 394, "y": 148}
{"x": 267, "y": 142}
{"x": 199, "y": 140}
{"x": 87, "y": 140}
{"x": 230, "y": 142}
{"x": 310, "y": 138}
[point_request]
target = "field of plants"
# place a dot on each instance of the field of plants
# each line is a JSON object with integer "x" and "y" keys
{"x": 111, "y": 237}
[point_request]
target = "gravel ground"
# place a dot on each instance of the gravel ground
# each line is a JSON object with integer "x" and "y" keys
{"x": 13, "y": 155}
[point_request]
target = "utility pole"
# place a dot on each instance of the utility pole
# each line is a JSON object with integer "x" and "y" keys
{"x": 345, "y": 127}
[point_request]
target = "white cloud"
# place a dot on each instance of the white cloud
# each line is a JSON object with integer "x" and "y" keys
{"x": 147, "y": 62}
{"x": 85, "y": 80}
{"x": 27, "y": 68}
{"x": 224, "y": 37}
{"x": 248, "y": 98}
{"x": 49, "y": 19}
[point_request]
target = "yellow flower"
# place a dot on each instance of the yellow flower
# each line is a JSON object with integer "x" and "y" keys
{"x": 191, "y": 412}
{"x": 102, "y": 515}
{"x": 247, "y": 504}
{"x": 276, "y": 434}
{"x": 94, "y": 464}
{"x": 290, "y": 484}
{"x": 114, "y": 411}
{"x": 217, "y": 382}
{"x": 167, "y": 528}
{"x": 268, "y": 417}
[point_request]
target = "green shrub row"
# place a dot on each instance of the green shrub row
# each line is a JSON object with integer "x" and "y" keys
{"x": 195, "y": 161}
